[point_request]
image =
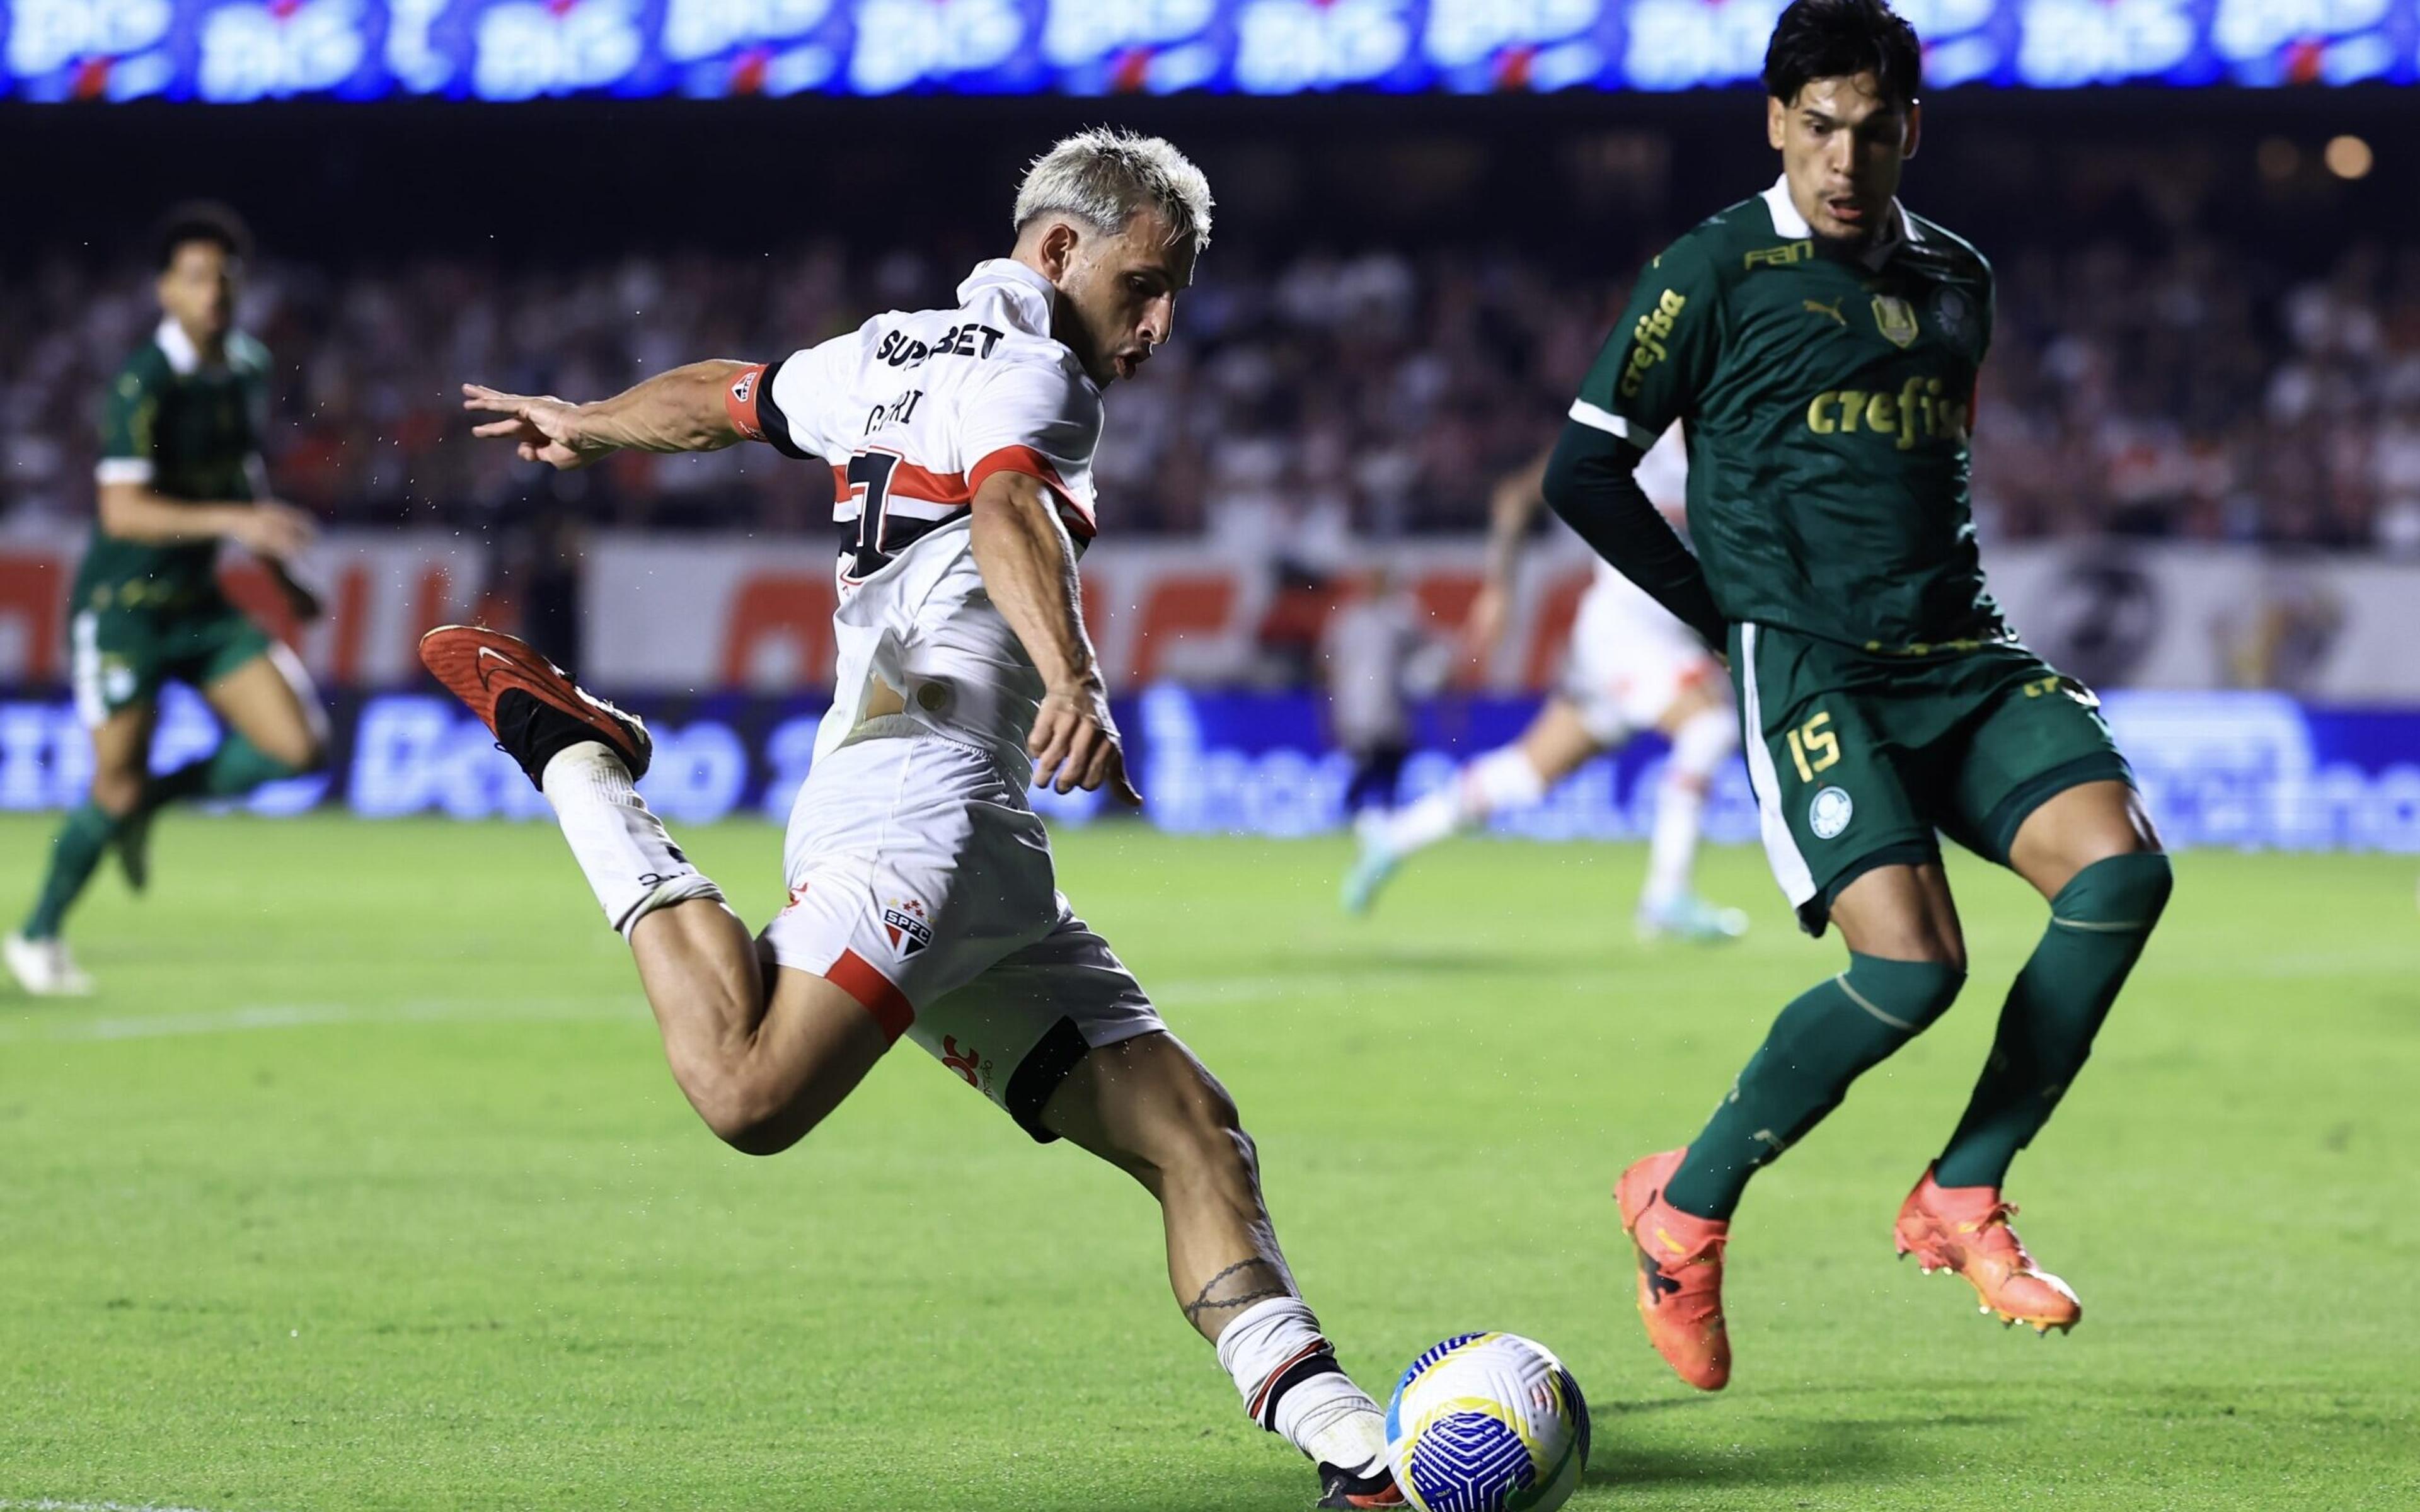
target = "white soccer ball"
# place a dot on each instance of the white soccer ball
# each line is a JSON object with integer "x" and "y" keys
{"x": 1487, "y": 1423}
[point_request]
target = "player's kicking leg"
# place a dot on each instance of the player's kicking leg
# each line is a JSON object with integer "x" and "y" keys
{"x": 2090, "y": 850}
{"x": 1518, "y": 775}
{"x": 1146, "y": 1106}
{"x": 763, "y": 1061}
{"x": 1704, "y": 731}
{"x": 763, "y": 1064}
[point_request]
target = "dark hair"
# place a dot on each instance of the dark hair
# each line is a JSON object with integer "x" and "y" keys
{"x": 200, "y": 220}
{"x": 1838, "y": 39}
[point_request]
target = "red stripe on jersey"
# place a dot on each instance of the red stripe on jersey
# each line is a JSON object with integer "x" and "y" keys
{"x": 1034, "y": 463}
{"x": 909, "y": 480}
{"x": 855, "y": 975}
{"x": 740, "y": 402}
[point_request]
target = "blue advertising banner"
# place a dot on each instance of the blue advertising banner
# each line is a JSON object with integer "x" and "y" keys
{"x": 233, "y": 50}
{"x": 2234, "y": 769}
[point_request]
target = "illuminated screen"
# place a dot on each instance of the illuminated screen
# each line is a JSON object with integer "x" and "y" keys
{"x": 244, "y": 49}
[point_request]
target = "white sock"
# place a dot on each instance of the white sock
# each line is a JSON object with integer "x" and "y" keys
{"x": 1499, "y": 780}
{"x": 1699, "y": 747}
{"x": 632, "y": 866}
{"x": 1292, "y": 1386}
{"x": 1423, "y": 823}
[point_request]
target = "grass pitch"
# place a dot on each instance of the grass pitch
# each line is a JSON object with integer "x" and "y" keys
{"x": 361, "y": 1186}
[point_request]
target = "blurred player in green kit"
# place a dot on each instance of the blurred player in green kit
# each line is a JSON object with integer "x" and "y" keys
{"x": 180, "y": 472}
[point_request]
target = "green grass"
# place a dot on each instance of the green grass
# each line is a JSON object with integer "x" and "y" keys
{"x": 363, "y": 1186}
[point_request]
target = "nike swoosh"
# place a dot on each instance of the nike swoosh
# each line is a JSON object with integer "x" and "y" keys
{"x": 480, "y": 666}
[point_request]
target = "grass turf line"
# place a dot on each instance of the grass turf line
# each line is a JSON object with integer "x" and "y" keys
{"x": 361, "y": 1186}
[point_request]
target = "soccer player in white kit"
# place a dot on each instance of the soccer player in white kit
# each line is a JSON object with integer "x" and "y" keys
{"x": 922, "y": 893}
{"x": 1630, "y": 667}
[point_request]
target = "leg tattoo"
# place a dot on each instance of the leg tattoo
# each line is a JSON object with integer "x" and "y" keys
{"x": 1239, "y": 1286}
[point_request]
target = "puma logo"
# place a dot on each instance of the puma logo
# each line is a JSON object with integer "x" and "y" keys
{"x": 1833, "y": 309}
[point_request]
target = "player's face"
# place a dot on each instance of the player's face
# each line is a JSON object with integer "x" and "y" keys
{"x": 1119, "y": 294}
{"x": 1842, "y": 145}
{"x": 198, "y": 290}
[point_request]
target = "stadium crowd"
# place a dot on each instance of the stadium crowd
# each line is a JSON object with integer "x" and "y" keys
{"x": 2199, "y": 393}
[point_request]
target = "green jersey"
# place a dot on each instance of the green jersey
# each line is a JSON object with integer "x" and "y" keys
{"x": 187, "y": 430}
{"x": 1826, "y": 403}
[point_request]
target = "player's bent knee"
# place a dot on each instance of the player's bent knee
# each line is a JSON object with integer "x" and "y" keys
{"x": 1905, "y": 996}
{"x": 751, "y": 1122}
{"x": 2118, "y": 894}
{"x": 117, "y": 793}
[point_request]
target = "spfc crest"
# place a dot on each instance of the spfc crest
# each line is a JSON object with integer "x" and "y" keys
{"x": 907, "y": 928}
{"x": 1895, "y": 318}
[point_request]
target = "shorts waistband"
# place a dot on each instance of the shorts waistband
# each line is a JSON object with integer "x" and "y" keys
{"x": 908, "y": 727}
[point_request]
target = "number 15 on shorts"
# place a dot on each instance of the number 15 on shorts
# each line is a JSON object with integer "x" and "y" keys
{"x": 1814, "y": 747}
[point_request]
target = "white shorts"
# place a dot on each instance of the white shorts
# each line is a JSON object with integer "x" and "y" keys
{"x": 1629, "y": 662}
{"x": 921, "y": 882}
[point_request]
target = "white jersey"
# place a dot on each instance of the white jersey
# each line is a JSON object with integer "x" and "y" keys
{"x": 913, "y": 410}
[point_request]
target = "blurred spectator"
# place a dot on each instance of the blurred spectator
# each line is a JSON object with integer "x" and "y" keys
{"x": 2195, "y": 394}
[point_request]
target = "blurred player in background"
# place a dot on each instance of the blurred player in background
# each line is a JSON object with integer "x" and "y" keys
{"x": 1822, "y": 344}
{"x": 181, "y": 472}
{"x": 1630, "y": 667}
{"x": 1377, "y": 658}
{"x": 922, "y": 893}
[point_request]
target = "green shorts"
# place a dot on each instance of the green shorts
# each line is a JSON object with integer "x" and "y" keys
{"x": 118, "y": 656}
{"x": 1859, "y": 759}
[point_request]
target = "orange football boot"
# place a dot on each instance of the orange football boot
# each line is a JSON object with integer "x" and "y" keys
{"x": 1966, "y": 1229}
{"x": 527, "y": 702}
{"x": 1680, "y": 1274}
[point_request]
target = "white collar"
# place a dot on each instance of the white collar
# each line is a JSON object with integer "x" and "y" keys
{"x": 184, "y": 358}
{"x": 1029, "y": 294}
{"x": 1788, "y": 223}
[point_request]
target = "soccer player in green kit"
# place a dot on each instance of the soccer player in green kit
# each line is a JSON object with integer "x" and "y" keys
{"x": 180, "y": 472}
{"x": 1820, "y": 346}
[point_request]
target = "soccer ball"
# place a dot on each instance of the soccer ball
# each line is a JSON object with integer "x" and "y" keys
{"x": 1487, "y": 1423}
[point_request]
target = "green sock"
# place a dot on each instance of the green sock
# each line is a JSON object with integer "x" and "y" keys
{"x": 1823, "y": 1042}
{"x": 237, "y": 767}
{"x": 2099, "y": 924}
{"x": 78, "y": 848}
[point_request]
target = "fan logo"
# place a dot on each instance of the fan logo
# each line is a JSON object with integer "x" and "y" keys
{"x": 1829, "y": 813}
{"x": 747, "y": 385}
{"x": 904, "y": 921}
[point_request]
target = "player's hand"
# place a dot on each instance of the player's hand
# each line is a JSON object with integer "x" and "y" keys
{"x": 542, "y": 427}
{"x": 1075, "y": 744}
{"x": 271, "y": 531}
{"x": 1483, "y": 626}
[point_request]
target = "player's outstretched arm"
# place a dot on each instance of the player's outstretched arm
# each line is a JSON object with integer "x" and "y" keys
{"x": 1029, "y": 568}
{"x": 266, "y": 528}
{"x": 1589, "y": 483}
{"x": 681, "y": 410}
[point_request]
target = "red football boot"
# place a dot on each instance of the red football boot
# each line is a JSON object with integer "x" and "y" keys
{"x": 1680, "y": 1274}
{"x": 533, "y": 710}
{"x": 1966, "y": 1229}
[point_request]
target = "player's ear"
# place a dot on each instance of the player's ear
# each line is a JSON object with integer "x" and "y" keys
{"x": 1776, "y": 115}
{"x": 1058, "y": 250}
{"x": 1915, "y": 130}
